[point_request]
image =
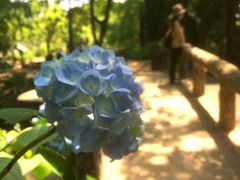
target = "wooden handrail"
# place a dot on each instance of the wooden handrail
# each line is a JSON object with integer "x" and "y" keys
{"x": 221, "y": 69}
{"x": 228, "y": 76}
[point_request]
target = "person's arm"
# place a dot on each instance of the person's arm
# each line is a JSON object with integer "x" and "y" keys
{"x": 168, "y": 32}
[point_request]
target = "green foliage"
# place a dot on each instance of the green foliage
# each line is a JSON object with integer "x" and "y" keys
{"x": 40, "y": 121}
{"x": 3, "y": 141}
{"x": 31, "y": 161}
{"x": 12, "y": 14}
{"x": 42, "y": 170}
{"x": 54, "y": 158}
{"x": 124, "y": 25}
{"x": 26, "y": 136}
{"x": 28, "y": 164}
{"x": 81, "y": 24}
{"x": 42, "y": 26}
{"x": 16, "y": 115}
{"x": 49, "y": 26}
{"x": 37, "y": 165}
{"x": 15, "y": 173}
{"x": 90, "y": 178}
{"x": 69, "y": 172}
{"x": 211, "y": 31}
{"x": 40, "y": 161}
{"x": 23, "y": 166}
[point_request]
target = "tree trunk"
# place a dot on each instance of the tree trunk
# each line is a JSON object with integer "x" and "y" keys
{"x": 152, "y": 19}
{"x": 93, "y": 21}
{"x": 48, "y": 45}
{"x": 141, "y": 27}
{"x": 230, "y": 10}
{"x": 70, "y": 30}
{"x": 103, "y": 24}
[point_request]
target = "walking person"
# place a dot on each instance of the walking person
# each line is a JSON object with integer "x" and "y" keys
{"x": 176, "y": 31}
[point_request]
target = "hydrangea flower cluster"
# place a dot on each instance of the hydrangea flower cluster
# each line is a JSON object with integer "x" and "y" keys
{"x": 93, "y": 97}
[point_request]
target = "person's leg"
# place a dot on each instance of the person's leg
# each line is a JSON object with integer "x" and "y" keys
{"x": 172, "y": 66}
{"x": 175, "y": 56}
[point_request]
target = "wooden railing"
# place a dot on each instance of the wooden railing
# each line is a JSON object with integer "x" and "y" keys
{"x": 228, "y": 76}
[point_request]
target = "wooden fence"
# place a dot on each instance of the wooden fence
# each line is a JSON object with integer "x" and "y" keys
{"x": 228, "y": 76}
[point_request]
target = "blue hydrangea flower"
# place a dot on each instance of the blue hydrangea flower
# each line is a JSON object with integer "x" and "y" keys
{"x": 93, "y": 98}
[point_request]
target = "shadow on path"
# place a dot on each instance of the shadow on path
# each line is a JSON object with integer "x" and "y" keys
{"x": 225, "y": 146}
{"x": 181, "y": 140}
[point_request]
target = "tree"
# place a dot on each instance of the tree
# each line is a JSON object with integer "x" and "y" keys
{"x": 102, "y": 23}
{"x": 70, "y": 27}
{"x": 52, "y": 23}
{"x": 210, "y": 15}
{"x": 123, "y": 27}
{"x": 230, "y": 28}
{"x": 13, "y": 18}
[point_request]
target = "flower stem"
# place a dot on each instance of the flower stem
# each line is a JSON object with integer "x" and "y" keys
{"x": 9, "y": 166}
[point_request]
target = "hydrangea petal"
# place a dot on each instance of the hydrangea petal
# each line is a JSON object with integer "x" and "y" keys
{"x": 68, "y": 74}
{"x": 133, "y": 145}
{"x": 94, "y": 48}
{"x": 72, "y": 56}
{"x": 43, "y": 78}
{"x": 136, "y": 127}
{"x": 92, "y": 140}
{"x": 62, "y": 92}
{"x": 122, "y": 69}
{"x": 118, "y": 60}
{"x": 76, "y": 147}
{"x": 81, "y": 99}
{"x": 41, "y": 81}
{"x": 90, "y": 83}
{"x": 117, "y": 145}
{"x": 104, "y": 106}
{"x": 104, "y": 122}
{"x": 85, "y": 56}
{"x": 123, "y": 78}
{"x": 121, "y": 123}
{"x": 136, "y": 88}
{"x": 67, "y": 129}
{"x": 121, "y": 99}
{"x": 51, "y": 111}
{"x": 77, "y": 115}
{"x": 121, "y": 82}
{"x": 44, "y": 91}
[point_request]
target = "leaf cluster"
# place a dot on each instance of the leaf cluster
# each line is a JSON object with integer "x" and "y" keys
{"x": 41, "y": 160}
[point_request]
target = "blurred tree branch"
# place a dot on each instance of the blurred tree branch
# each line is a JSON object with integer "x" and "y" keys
{"x": 103, "y": 24}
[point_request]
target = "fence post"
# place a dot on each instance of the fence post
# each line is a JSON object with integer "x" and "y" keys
{"x": 227, "y": 107}
{"x": 198, "y": 79}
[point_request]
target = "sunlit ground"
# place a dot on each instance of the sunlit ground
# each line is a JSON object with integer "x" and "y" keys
{"x": 211, "y": 103}
{"x": 179, "y": 142}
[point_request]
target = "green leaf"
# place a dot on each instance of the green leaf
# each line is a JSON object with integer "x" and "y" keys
{"x": 54, "y": 158}
{"x": 29, "y": 135}
{"x": 41, "y": 121}
{"x": 42, "y": 171}
{"x": 3, "y": 136}
{"x": 27, "y": 165}
{"x": 90, "y": 178}
{"x": 16, "y": 115}
{"x": 15, "y": 173}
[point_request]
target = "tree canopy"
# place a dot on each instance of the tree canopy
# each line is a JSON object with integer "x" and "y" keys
{"x": 130, "y": 26}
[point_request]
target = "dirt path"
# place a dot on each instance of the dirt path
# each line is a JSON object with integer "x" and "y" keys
{"x": 181, "y": 139}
